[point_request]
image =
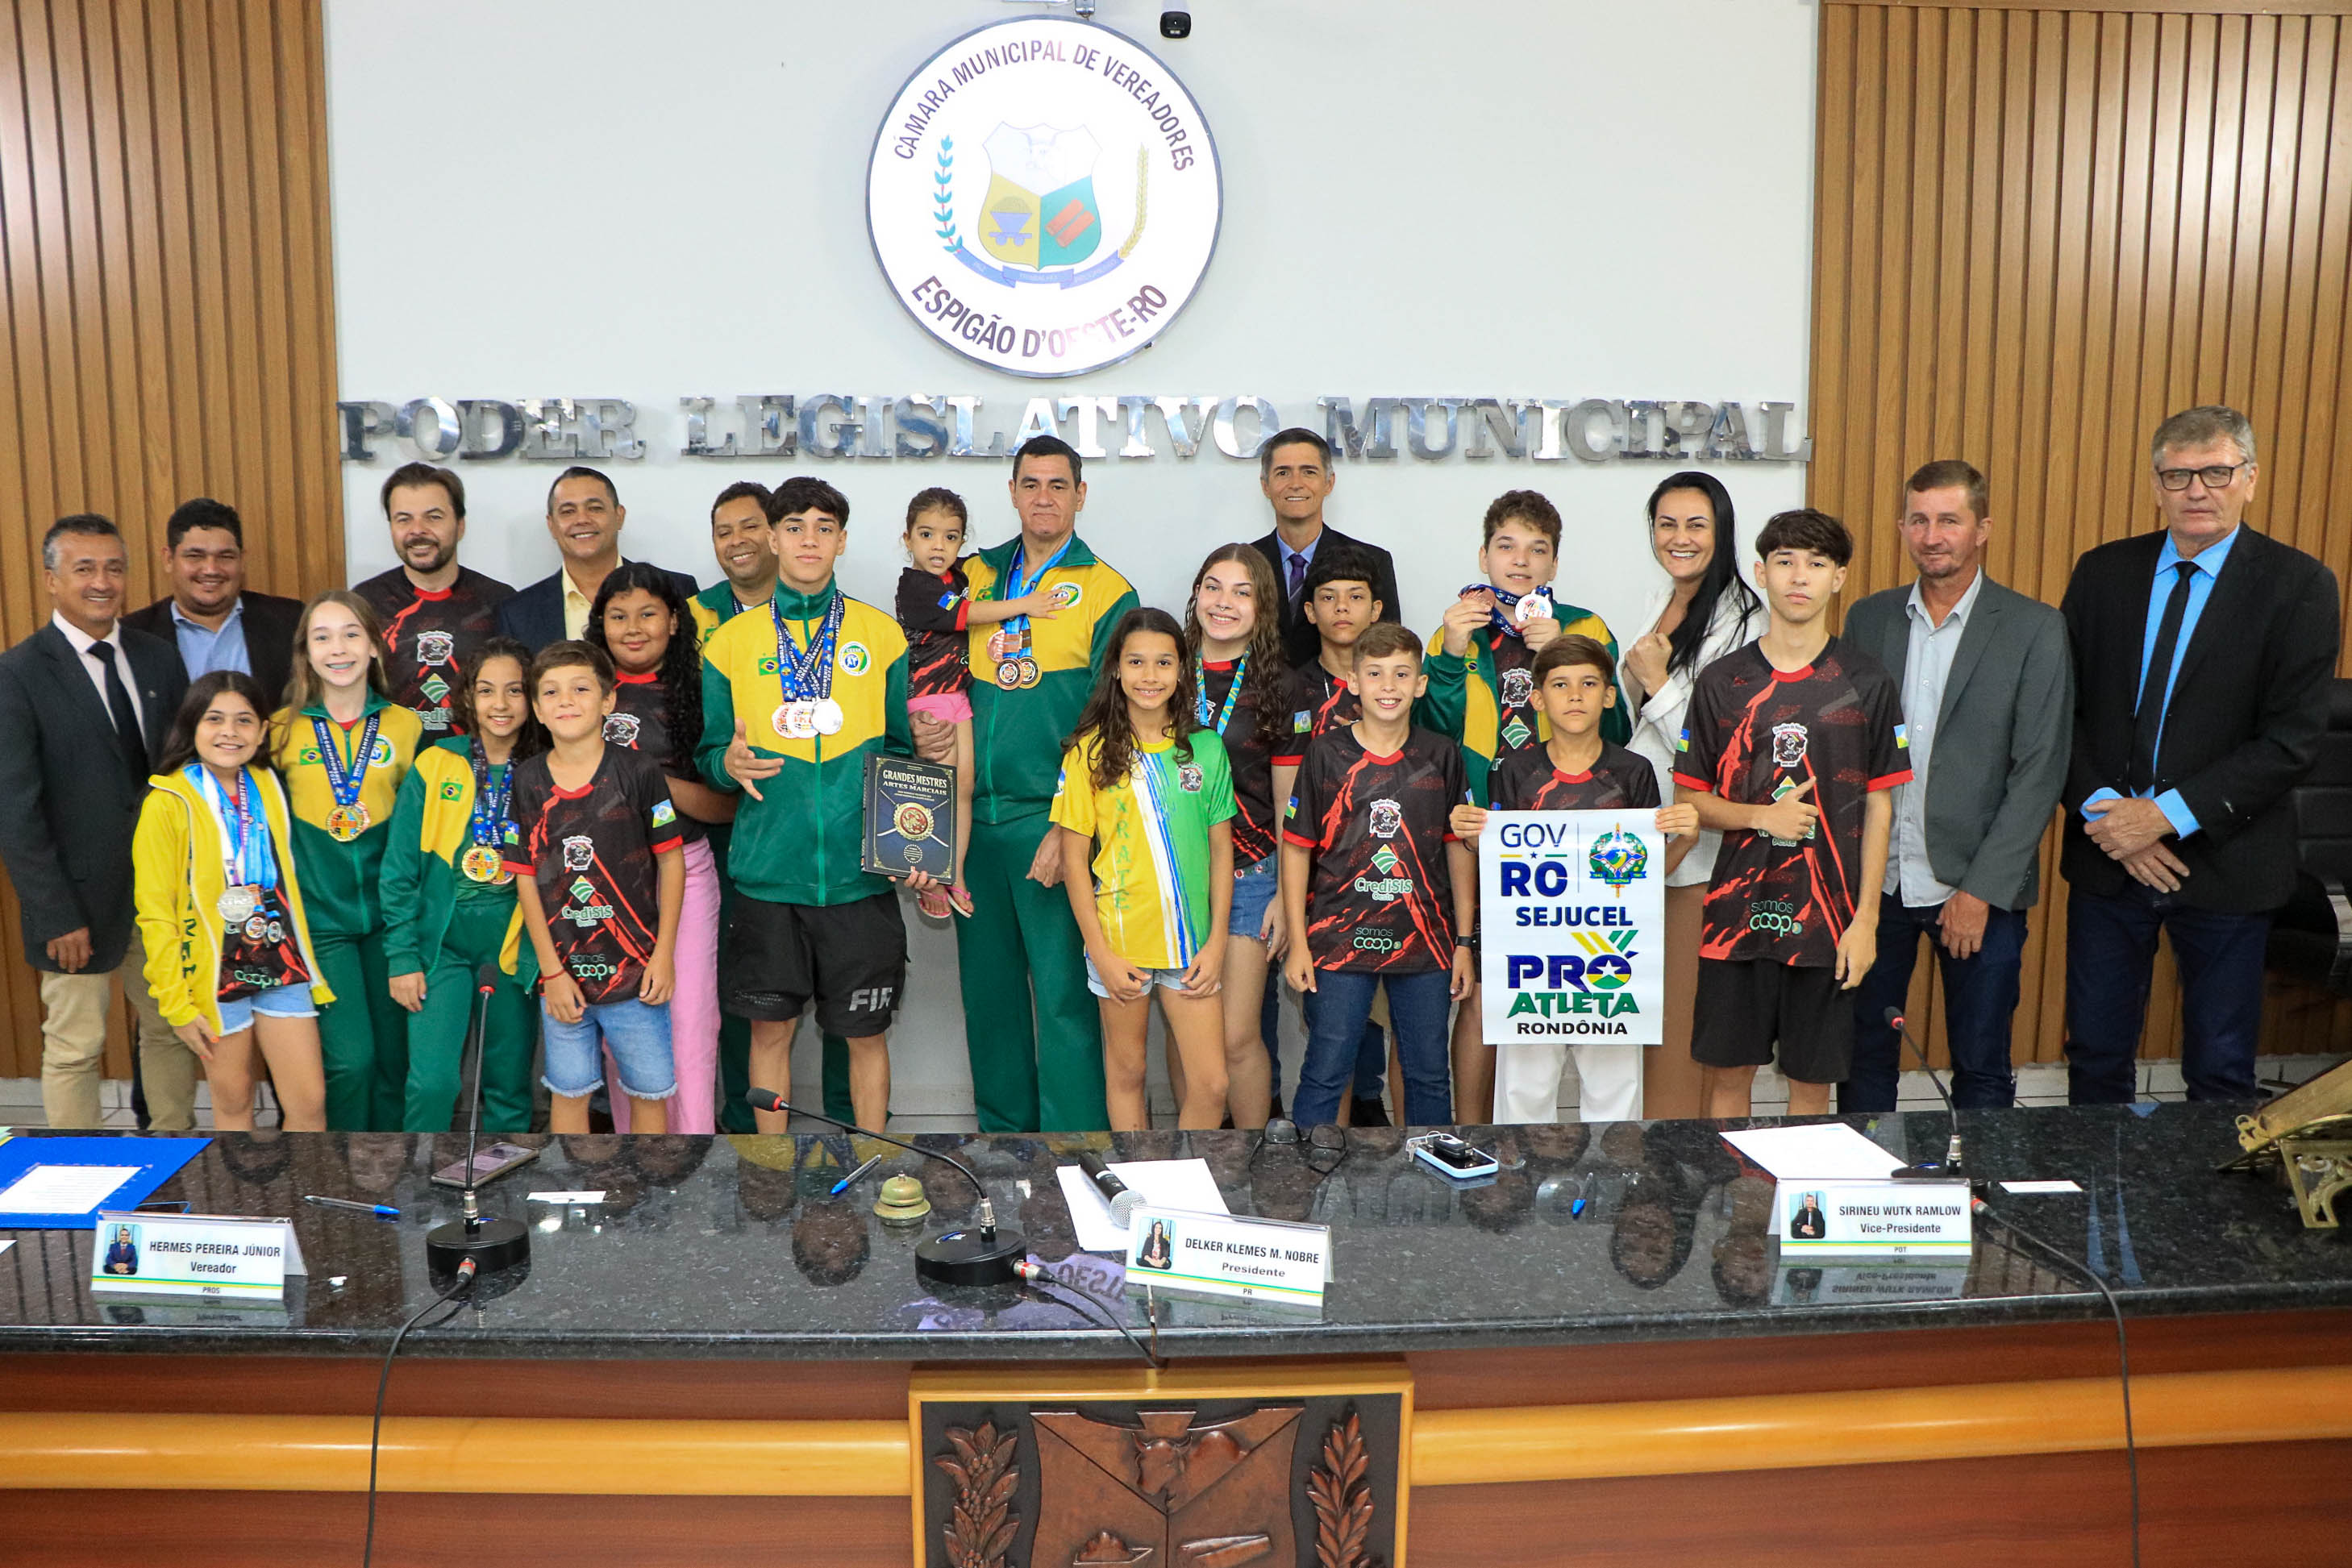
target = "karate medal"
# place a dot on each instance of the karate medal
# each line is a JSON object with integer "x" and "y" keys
{"x": 237, "y": 905}
{"x": 1028, "y": 672}
{"x": 345, "y": 824}
{"x": 484, "y": 863}
{"x": 1001, "y": 646}
{"x": 780, "y": 720}
{"x": 1008, "y": 674}
{"x": 826, "y": 716}
{"x": 800, "y": 720}
{"x": 257, "y": 929}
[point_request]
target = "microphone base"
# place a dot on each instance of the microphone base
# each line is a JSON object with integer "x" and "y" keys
{"x": 1927, "y": 1172}
{"x": 493, "y": 1244}
{"x": 965, "y": 1258}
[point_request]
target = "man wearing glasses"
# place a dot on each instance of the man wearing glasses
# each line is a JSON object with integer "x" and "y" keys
{"x": 2202, "y": 657}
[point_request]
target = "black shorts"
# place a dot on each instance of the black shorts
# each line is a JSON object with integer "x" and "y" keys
{"x": 1744, "y": 1005}
{"x": 849, "y": 959}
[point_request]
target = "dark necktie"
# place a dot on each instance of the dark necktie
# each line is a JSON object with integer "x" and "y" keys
{"x": 126, "y": 717}
{"x": 2148, "y": 720}
{"x": 1297, "y": 576}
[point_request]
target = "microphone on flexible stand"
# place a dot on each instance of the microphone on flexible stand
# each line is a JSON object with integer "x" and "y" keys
{"x": 1925, "y": 1170}
{"x": 487, "y": 1243}
{"x": 982, "y": 1255}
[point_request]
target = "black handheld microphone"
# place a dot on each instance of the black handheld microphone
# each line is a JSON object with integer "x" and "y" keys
{"x": 1123, "y": 1199}
{"x": 1950, "y": 1169}
{"x": 487, "y": 1243}
{"x": 982, "y": 1255}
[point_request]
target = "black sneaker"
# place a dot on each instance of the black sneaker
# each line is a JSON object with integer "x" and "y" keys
{"x": 1363, "y": 1113}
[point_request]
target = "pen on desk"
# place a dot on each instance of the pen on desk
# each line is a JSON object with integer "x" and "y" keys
{"x": 846, "y": 1183}
{"x": 380, "y": 1210}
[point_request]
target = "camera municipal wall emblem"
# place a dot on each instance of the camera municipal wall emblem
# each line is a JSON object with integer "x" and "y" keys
{"x": 1044, "y": 197}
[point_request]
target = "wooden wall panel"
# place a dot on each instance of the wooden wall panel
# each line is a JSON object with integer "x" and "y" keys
{"x": 2039, "y": 229}
{"x": 166, "y": 304}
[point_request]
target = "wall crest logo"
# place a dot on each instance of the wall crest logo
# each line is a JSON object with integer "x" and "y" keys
{"x": 1044, "y": 197}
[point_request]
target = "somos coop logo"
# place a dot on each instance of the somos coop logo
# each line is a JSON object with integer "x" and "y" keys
{"x": 1044, "y": 197}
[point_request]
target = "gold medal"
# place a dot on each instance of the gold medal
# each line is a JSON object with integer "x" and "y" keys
{"x": 1008, "y": 674}
{"x": 1029, "y": 672}
{"x": 345, "y": 824}
{"x": 257, "y": 929}
{"x": 483, "y": 863}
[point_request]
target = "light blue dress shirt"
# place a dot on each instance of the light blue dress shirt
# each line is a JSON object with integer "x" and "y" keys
{"x": 204, "y": 650}
{"x": 1305, "y": 557}
{"x": 2207, "y": 564}
{"x": 1926, "y": 669}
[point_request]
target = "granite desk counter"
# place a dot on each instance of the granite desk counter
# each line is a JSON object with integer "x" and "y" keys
{"x": 720, "y": 1353}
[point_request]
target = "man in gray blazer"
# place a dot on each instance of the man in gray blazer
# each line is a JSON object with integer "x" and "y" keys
{"x": 1988, "y": 704}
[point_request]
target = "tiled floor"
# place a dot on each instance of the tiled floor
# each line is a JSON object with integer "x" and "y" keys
{"x": 2039, "y": 1084}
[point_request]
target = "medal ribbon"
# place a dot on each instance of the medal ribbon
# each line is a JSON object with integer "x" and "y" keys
{"x": 1505, "y": 599}
{"x": 810, "y": 675}
{"x": 489, "y": 799}
{"x": 1201, "y": 692}
{"x": 1017, "y": 587}
{"x": 343, "y": 779}
{"x": 247, "y": 860}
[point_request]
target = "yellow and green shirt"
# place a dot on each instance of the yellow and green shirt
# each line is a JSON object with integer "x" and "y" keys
{"x": 803, "y": 840}
{"x": 713, "y": 608}
{"x": 1488, "y": 704}
{"x": 1151, "y": 830}
{"x": 1016, "y": 735}
{"x": 341, "y": 879}
{"x": 432, "y": 828}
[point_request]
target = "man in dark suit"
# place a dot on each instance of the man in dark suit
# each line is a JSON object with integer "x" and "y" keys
{"x": 85, "y": 705}
{"x": 209, "y": 617}
{"x": 584, "y": 517}
{"x": 1987, "y": 703}
{"x": 1294, "y": 470}
{"x": 2203, "y": 655}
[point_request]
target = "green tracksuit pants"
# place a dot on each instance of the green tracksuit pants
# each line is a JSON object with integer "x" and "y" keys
{"x": 1031, "y": 1026}
{"x": 436, "y": 1031}
{"x": 362, "y": 1036}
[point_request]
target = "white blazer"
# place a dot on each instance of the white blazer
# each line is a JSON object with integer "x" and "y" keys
{"x": 1658, "y": 721}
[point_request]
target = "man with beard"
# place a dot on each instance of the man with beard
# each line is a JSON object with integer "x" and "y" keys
{"x": 209, "y": 616}
{"x": 435, "y": 611}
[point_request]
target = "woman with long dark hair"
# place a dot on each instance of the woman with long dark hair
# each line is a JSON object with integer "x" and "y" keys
{"x": 229, "y": 958}
{"x": 1703, "y": 610}
{"x": 642, "y": 620}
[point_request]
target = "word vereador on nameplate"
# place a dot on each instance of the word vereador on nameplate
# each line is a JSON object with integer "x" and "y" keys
{"x": 213, "y": 1255}
{"x": 1892, "y": 1219}
{"x": 1187, "y": 1251}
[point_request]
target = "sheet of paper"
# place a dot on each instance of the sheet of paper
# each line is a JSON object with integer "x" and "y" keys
{"x": 1820, "y": 1150}
{"x": 64, "y": 1190}
{"x": 1170, "y": 1183}
{"x": 582, "y": 1197}
{"x": 2058, "y": 1186}
{"x": 6, "y": 1245}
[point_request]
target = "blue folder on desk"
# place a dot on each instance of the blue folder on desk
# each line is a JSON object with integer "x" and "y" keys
{"x": 158, "y": 1159}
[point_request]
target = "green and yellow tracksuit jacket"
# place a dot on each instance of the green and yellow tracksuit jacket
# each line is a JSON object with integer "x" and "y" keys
{"x": 431, "y": 829}
{"x": 802, "y": 841}
{"x": 342, "y": 880}
{"x": 1017, "y": 736}
{"x": 1464, "y": 697}
{"x": 713, "y": 608}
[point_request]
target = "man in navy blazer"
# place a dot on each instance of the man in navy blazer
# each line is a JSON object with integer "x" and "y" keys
{"x": 1294, "y": 469}
{"x": 2203, "y": 655}
{"x": 584, "y": 517}
{"x": 86, "y": 704}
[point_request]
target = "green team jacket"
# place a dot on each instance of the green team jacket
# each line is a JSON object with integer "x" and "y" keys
{"x": 1017, "y": 737}
{"x": 430, "y": 831}
{"x": 1465, "y": 697}
{"x": 802, "y": 840}
{"x": 341, "y": 882}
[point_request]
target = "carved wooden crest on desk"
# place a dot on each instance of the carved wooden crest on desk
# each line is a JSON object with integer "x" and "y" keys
{"x": 1304, "y": 1478}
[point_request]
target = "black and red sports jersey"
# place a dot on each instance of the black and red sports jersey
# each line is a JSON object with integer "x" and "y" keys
{"x": 640, "y": 721}
{"x": 1751, "y": 735}
{"x": 429, "y": 638}
{"x": 261, "y": 952}
{"x": 1516, "y": 728}
{"x": 933, "y": 608}
{"x": 1317, "y": 701}
{"x": 1249, "y": 749}
{"x": 1528, "y": 780}
{"x": 1380, "y": 896}
{"x": 591, "y": 853}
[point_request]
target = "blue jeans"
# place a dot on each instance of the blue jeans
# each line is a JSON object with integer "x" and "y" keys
{"x": 1979, "y": 999}
{"x": 638, "y": 1034}
{"x": 2110, "y": 960}
{"x": 1342, "y": 1005}
{"x": 1371, "y": 1052}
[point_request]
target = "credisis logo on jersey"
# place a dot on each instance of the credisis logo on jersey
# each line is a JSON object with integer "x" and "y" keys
{"x": 1044, "y": 197}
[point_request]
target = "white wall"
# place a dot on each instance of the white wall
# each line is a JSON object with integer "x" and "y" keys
{"x": 1556, "y": 198}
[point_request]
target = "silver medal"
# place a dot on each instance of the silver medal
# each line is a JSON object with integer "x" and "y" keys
{"x": 826, "y": 716}
{"x": 237, "y": 903}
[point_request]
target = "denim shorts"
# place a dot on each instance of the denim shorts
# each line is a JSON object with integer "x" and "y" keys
{"x": 1255, "y": 888}
{"x": 1171, "y": 978}
{"x": 278, "y": 1002}
{"x": 638, "y": 1034}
